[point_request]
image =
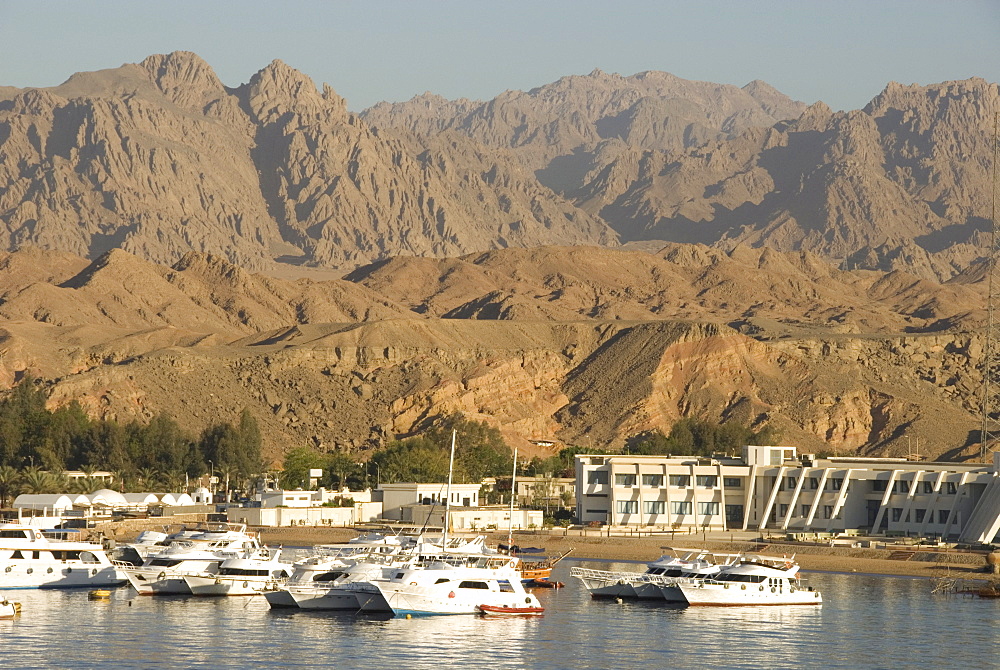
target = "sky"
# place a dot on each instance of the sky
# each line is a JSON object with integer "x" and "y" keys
{"x": 842, "y": 52}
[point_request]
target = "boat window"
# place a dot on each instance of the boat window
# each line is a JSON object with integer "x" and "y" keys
{"x": 753, "y": 579}
{"x": 398, "y": 575}
{"x": 88, "y": 557}
{"x": 242, "y": 572}
{"x": 63, "y": 555}
{"x": 15, "y": 534}
{"x": 163, "y": 562}
{"x": 474, "y": 585}
{"x": 17, "y": 554}
{"x": 676, "y": 572}
{"x": 333, "y": 575}
{"x": 654, "y": 571}
{"x": 442, "y": 581}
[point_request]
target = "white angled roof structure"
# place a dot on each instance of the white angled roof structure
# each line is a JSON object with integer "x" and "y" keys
{"x": 108, "y": 498}
{"x": 57, "y": 502}
{"x": 141, "y": 498}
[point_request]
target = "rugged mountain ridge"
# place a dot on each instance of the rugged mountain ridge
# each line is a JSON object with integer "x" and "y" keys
{"x": 160, "y": 159}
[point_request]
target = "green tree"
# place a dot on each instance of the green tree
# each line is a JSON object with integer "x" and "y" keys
{"x": 480, "y": 450}
{"x": 416, "y": 459}
{"x": 297, "y": 464}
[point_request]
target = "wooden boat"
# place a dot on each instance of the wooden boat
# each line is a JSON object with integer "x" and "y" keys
{"x": 509, "y": 611}
{"x": 534, "y": 571}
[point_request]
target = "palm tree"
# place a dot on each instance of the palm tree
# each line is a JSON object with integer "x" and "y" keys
{"x": 36, "y": 481}
{"x": 148, "y": 478}
{"x": 10, "y": 482}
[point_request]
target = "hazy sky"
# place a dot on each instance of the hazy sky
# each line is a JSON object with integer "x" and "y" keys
{"x": 841, "y": 52}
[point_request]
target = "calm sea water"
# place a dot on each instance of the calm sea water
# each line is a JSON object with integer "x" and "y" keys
{"x": 866, "y": 622}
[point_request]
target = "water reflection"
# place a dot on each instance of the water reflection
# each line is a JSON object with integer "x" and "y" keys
{"x": 864, "y": 622}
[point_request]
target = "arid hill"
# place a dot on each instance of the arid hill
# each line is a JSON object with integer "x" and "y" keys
{"x": 581, "y": 344}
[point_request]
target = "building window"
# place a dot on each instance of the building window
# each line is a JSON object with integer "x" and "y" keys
{"x": 708, "y": 508}
{"x": 951, "y": 488}
{"x": 880, "y": 485}
{"x": 897, "y": 514}
{"x": 655, "y": 481}
{"x": 928, "y": 487}
{"x": 732, "y": 482}
{"x": 782, "y": 510}
{"x": 792, "y": 481}
{"x": 597, "y": 477}
{"x": 680, "y": 508}
{"x": 597, "y": 511}
{"x": 805, "y": 511}
{"x": 943, "y": 516}
{"x": 836, "y": 483}
{"x": 680, "y": 480}
{"x": 628, "y": 506}
{"x": 814, "y": 483}
{"x": 920, "y": 514}
{"x": 734, "y": 513}
{"x": 654, "y": 506}
{"x": 827, "y": 511}
{"x": 708, "y": 481}
{"x": 624, "y": 480}
{"x": 902, "y": 487}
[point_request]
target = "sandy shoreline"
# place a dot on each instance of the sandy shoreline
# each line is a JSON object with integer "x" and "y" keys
{"x": 911, "y": 561}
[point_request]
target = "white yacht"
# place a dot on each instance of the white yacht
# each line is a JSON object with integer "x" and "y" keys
{"x": 241, "y": 577}
{"x": 491, "y": 584}
{"x": 203, "y": 553}
{"x": 658, "y": 581}
{"x": 30, "y": 559}
{"x": 314, "y": 575}
{"x": 755, "y": 580}
{"x": 346, "y": 588}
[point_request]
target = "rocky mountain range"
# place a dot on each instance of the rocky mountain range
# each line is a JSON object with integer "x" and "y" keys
{"x": 583, "y": 261}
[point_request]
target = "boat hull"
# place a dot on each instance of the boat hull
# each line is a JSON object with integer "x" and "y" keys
{"x": 330, "y": 599}
{"x": 58, "y": 576}
{"x": 226, "y": 586}
{"x": 716, "y": 595}
{"x": 493, "y": 610}
{"x": 167, "y": 585}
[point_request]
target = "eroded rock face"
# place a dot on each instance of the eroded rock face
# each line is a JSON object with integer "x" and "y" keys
{"x": 160, "y": 159}
{"x": 344, "y": 364}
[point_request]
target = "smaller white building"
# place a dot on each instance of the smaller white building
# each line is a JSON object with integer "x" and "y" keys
{"x": 397, "y": 496}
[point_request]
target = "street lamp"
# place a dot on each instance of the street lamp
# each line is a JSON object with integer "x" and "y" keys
{"x": 211, "y": 474}
{"x": 378, "y": 475}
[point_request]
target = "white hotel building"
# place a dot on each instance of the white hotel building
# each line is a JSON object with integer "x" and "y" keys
{"x": 771, "y": 488}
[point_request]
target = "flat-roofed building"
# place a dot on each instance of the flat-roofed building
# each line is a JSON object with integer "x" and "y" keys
{"x": 774, "y": 488}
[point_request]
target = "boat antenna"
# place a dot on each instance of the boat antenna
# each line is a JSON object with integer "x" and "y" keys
{"x": 447, "y": 504}
{"x": 513, "y": 489}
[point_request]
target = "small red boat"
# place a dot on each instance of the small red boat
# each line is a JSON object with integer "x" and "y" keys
{"x": 496, "y": 609}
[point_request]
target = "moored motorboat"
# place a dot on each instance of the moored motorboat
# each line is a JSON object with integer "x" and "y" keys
{"x": 506, "y": 610}
{"x": 30, "y": 559}
{"x": 242, "y": 576}
{"x": 755, "y": 580}
{"x": 201, "y": 554}
{"x": 659, "y": 579}
{"x": 443, "y": 588}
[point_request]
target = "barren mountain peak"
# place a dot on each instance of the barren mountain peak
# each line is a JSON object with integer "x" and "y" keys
{"x": 181, "y": 68}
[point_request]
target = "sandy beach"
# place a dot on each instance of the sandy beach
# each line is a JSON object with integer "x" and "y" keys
{"x": 894, "y": 560}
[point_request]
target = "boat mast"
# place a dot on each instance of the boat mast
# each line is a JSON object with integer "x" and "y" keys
{"x": 447, "y": 504}
{"x": 513, "y": 489}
